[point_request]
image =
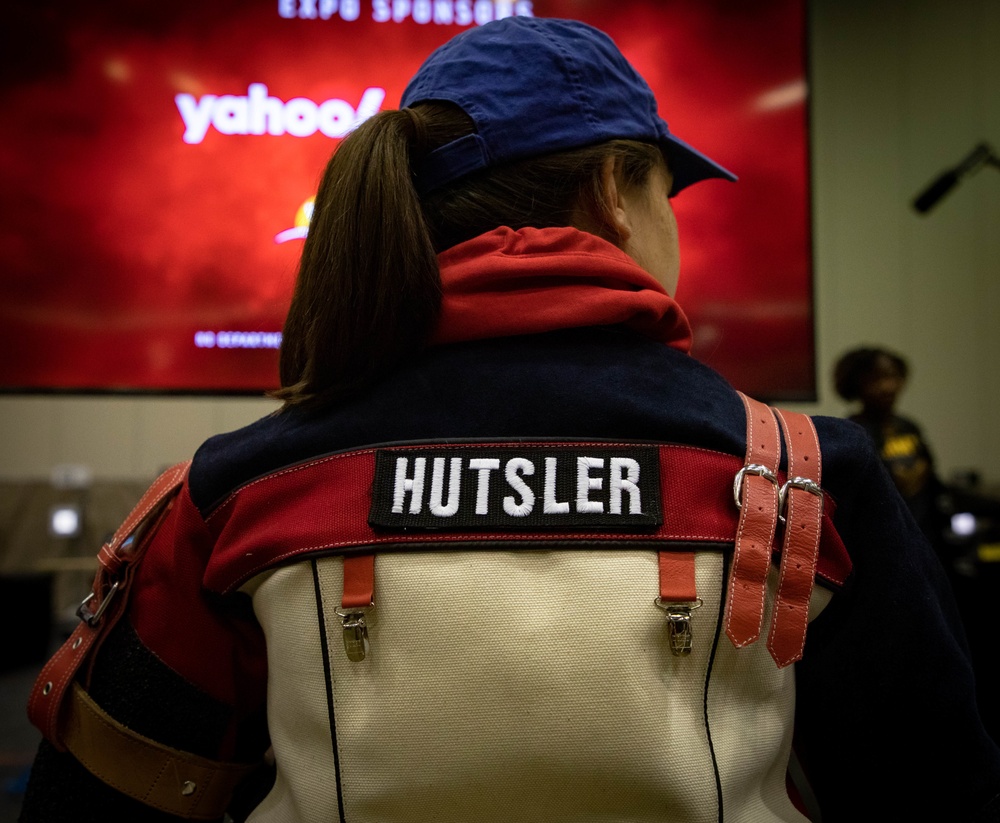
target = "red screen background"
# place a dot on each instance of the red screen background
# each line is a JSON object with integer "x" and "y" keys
{"x": 119, "y": 242}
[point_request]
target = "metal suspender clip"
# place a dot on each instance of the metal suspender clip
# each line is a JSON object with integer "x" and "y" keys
{"x": 355, "y": 634}
{"x": 679, "y": 624}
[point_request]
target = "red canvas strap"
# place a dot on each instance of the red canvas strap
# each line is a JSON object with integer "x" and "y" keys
{"x": 105, "y": 606}
{"x": 756, "y": 492}
{"x": 802, "y": 506}
{"x": 273, "y": 520}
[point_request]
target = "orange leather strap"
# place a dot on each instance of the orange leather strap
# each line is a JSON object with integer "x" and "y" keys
{"x": 102, "y": 610}
{"x": 802, "y": 502}
{"x": 359, "y": 581}
{"x": 677, "y": 577}
{"x": 756, "y": 491}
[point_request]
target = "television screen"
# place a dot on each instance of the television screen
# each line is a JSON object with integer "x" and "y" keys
{"x": 158, "y": 163}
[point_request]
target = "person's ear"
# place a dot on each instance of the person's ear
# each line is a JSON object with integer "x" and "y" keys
{"x": 613, "y": 211}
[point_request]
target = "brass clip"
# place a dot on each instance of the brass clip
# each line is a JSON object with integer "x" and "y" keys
{"x": 355, "y": 635}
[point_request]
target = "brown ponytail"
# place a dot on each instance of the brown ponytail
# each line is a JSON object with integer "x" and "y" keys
{"x": 369, "y": 291}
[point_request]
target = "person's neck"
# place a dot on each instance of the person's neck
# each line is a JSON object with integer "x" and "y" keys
{"x": 877, "y": 416}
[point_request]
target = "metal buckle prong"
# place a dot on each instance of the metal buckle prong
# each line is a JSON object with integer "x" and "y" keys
{"x": 750, "y": 468}
{"x": 95, "y": 618}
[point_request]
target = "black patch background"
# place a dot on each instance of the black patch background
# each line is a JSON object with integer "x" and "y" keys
{"x": 465, "y": 519}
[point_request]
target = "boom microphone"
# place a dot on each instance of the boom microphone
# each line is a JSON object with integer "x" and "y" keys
{"x": 980, "y": 156}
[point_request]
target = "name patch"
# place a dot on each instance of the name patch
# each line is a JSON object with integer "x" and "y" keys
{"x": 520, "y": 488}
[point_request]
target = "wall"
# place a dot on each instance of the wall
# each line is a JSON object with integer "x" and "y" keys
{"x": 124, "y": 441}
{"x": 118, "y": 437}
{"x": 901, "y": 90}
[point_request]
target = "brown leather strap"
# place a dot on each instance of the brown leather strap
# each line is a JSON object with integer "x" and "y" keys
{"x": 802, "y": 501}
{"x": 105, "y": 606}
{"x": 757, "y": 495}
{"x": 173, "y": 781}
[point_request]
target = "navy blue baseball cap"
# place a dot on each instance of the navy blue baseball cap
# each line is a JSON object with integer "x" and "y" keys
{"x": 534, "y": 86}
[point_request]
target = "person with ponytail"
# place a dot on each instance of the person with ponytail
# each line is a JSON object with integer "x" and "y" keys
{"x": 487, "y": 561}
{"x": 376, "y": 265}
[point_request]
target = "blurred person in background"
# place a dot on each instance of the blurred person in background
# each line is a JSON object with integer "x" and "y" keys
{"x": 876, "y": 378}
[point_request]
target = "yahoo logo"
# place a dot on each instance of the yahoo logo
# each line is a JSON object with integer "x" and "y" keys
{"x": 259, "y": 113}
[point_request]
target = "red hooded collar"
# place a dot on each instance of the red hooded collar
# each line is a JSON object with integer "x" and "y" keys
{"x": 508, "y": 282}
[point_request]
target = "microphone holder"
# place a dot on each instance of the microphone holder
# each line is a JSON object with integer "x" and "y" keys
{"x": 982, "y": 155}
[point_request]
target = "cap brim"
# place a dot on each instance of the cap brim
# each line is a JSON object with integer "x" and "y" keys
{"x": 688, "y": 165}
